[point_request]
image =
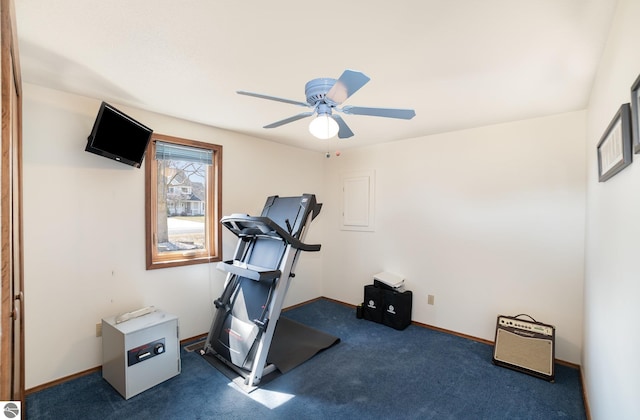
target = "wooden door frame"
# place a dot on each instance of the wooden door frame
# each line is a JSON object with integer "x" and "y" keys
{"x": 11, "y": 234}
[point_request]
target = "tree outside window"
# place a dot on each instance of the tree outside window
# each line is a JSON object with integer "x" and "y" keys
{"x": 183, "y": 189}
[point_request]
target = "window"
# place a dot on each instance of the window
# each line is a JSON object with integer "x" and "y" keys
{"x": 183, "y": 183}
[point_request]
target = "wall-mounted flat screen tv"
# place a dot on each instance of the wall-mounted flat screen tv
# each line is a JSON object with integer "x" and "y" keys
{"x": 117, "y": 136}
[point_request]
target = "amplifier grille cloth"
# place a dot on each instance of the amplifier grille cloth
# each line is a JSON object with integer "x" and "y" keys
{"x": 531, "y": 353}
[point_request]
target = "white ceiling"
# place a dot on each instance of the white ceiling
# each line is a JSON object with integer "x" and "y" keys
{"x": 458, "y": 63}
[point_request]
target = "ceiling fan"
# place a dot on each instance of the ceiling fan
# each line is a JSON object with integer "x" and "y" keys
{"x": 323, "y": 96}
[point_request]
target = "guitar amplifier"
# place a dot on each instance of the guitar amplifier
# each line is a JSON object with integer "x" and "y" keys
{"x": 525, "y": 346}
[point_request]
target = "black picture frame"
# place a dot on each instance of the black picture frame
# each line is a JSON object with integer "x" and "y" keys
{"x": 635, "y": 115}
{"x": 614, "y": 147}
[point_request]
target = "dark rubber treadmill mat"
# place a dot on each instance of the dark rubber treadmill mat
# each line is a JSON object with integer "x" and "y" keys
{"x": 293, "y": 344}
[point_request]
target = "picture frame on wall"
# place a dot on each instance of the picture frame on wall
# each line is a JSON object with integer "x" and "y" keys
{"x": 614, "y": 147}
{"x": 635, "y": 115}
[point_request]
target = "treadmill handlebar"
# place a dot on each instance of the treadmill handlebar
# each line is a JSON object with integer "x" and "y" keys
{"x": 316, "y": 210}
{"x": 250, "y": 226}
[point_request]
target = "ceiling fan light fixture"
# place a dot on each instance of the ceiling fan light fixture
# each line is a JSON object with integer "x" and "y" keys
{"x": 323, "y": 96}
{"x": 323, "y": 127}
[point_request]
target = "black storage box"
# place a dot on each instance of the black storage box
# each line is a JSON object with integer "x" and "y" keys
{"x": 372, "y": 307}
{"x": 388, "y": 307}
{"x": 397, "y": 309}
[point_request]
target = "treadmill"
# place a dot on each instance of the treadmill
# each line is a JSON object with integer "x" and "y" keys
{"x": 257, "y": 281}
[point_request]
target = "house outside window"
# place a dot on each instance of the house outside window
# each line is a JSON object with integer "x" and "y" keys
{"x": 183, "y": 202}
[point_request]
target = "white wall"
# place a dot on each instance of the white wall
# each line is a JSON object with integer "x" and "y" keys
{"x": 490, "y": 221}
{"x": 612, "y": 276}
{"x": 84, "y": 230}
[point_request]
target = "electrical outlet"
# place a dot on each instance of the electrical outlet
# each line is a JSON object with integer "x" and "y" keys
{"x": 99, "y": 330}
{"x": 431, "y": 299}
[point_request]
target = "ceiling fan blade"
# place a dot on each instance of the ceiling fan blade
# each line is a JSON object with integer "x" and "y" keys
{"x": 404, "y": 114}
{"x": 346, "y": 85}
{"x": 344, "y": 131}
{"x": 290, "y": 119}
{"x": 272, "y": 98}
